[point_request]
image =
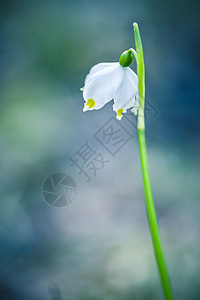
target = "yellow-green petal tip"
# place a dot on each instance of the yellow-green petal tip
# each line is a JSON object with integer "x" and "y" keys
{"x": 90, "y": 103}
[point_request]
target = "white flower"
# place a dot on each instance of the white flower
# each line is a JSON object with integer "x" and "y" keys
{"x": 107, "y": 81}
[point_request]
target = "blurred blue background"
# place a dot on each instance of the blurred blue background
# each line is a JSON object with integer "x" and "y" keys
{"x": 98, "y": 246}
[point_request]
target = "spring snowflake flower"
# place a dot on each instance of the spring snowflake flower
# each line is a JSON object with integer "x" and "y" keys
{"x": 107, "y": 81}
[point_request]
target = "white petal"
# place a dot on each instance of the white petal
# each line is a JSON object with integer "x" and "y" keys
{"x": 127, "y": 92}
{"x": 134, "y": 110}
{"x": 97, "y": 68}
{"x": 101, "y": 86}
{"x": 100, "y": 67}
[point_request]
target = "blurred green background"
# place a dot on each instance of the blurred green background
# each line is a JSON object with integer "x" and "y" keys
{"x": 98, "y": 246}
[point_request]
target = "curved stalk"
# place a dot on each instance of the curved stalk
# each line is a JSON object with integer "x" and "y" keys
{"x": 153, "y": 224}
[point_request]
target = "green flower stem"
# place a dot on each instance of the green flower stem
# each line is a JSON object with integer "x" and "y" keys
{"x": 153, "y": 224}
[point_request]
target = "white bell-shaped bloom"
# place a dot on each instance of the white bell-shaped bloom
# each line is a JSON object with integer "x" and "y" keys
{"x": 107, "y": 81}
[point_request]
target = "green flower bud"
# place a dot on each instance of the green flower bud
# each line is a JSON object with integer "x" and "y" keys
{"x": 126, "y": 58}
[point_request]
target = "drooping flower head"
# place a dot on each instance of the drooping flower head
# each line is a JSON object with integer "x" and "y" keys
{"x": 112, "y": 81}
